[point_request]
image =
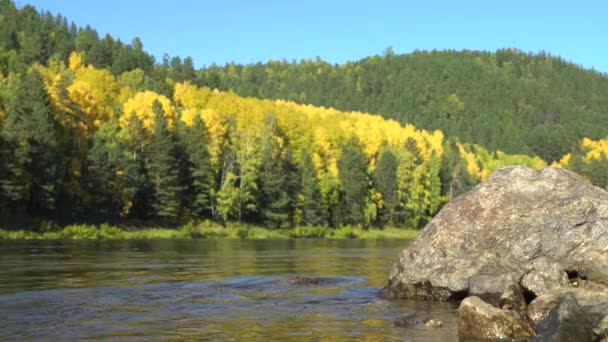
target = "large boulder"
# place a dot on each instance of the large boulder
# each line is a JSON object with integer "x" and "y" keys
{"x": 538, "y": 227}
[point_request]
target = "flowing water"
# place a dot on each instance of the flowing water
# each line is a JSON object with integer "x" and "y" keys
{"x": 220, "y": 290}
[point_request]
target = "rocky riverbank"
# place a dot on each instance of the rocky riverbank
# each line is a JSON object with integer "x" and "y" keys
{"x": 526, "y": 252}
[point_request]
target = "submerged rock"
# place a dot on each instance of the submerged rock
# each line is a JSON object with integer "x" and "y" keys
{"x": 534, "y": 226}
{"x": 478, "y": 319}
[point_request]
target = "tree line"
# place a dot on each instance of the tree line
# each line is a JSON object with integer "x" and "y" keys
{"x": 95, "y": 130}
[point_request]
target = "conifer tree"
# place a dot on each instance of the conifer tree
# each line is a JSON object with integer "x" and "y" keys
{"x": 34, "y": 166}
{"x": 162, "y": 168}
{"x": 385, "y": 181}
{"x": 195, "y": 141}
{"x": 274, "y": 199}
{"x": 312, "y": 205}
{"x": 353, "y": 176}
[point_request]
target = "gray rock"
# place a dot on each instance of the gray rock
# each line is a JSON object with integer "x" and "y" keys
{"x": 566, "y": 322}
{"x": 545, "y": 276}
{"x": 502, "y": 291}
{"x": 601, "y": 329}
{"x": 480, "y": 320}
{"x": 513, "y": 299}
{"x": 592, "y": 300}
{"x": 531, "y": 225}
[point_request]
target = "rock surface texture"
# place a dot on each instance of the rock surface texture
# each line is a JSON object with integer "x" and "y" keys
{"x": 521, "y": 234}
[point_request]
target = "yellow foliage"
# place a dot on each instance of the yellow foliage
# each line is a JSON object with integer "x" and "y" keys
{"x": 564, "y": 162}
{"x": 472, "y": 168}
{"x": 189, "y": 96}
{"x": 595, "y": 148}
{"x": 141, "y": 104}
{"x": 75, "y": 61}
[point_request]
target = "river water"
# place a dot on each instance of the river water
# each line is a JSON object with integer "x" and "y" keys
{"x": 219, "y": 290}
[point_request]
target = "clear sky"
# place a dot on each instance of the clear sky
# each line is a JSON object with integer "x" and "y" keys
{"x": 247, "y": 31}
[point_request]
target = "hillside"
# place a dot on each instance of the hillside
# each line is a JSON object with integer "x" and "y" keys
{"x": 509, "y": 100}
{"x": 95, "y": 130}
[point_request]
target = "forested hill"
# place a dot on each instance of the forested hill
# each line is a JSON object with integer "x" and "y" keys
{"x": 509, "y": 100}
{"x": 93, "y": 129}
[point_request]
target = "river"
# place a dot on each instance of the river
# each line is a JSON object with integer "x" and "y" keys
{"x": 220, "y": 290}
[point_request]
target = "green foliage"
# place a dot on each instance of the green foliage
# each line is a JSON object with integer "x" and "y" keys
{"x": 510, "y": 100}
{"x": 33, "y": 138}
{"x": 312, "y": 200}
{"x": 137, "y": 141}
{"x": 195, "y": 141}
{"x": 308, "y": 232}
{"x": 385, "y": 181}
{"x": 162, "y": 168}
{"x": 228, "y": 198}
{"x": 354, "y": 179}
{"x": 207, "y": 230}
{"x": 274, "y": 201}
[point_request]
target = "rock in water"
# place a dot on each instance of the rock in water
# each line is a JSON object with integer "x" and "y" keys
{"x": 537, "y": 227}
{"x": 480, "y": 320}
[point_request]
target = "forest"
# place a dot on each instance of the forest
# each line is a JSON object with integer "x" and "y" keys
{"x": 96, "y": 130}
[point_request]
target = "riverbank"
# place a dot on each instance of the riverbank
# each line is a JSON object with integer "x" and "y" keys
{"x": 205, "y": 230}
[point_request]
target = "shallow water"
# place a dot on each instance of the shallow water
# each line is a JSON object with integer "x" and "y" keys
{"x": 221, "y": 290}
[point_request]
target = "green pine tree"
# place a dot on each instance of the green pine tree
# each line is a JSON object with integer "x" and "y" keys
{"x": 353, "y": 175}
{"x": 34, "y": 166}
{"x": 274, "y": 200}
{"x": 312, "y": 202}
{"x": 195, "y": 142}
{"x": 385, "y": 181}
{"x": 162, "y": 168}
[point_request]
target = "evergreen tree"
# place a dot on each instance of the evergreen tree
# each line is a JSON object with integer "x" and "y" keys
{"x": 312, "y": 202}
{"x": 353, "y": 176}
{"x": 195, "y": 142}
{"x": 162, "y": 168}
{"x": 274, "y": 200}
{"x": 385, "y": 181}
{"x": 35, "y": 166}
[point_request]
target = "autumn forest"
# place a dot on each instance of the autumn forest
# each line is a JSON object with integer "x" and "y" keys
{"x": 96, "y": 130}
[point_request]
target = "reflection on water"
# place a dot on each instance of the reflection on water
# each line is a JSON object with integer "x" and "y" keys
{"x": 225, "y": 290}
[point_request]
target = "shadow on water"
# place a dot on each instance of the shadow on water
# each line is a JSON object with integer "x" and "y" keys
{"x": 219, "y": 290}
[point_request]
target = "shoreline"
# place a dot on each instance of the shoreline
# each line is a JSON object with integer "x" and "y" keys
{"x": 206, "y": 230}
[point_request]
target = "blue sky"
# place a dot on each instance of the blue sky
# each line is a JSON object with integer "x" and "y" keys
{"x": 248, "y": 31}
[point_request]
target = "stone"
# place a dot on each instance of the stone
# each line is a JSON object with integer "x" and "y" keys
{"x": 593, "y": 300}
{"x": 513, "y": 299}
{"x": 601, "y": 329}
{"x": 480, "y": 320}
{"x": 432, "y": 323}
{"x": 566, "y": 322}
{"x": 534, "y": 226}
{"x": 595, "y": 303}
{"x": 544, "y": 276}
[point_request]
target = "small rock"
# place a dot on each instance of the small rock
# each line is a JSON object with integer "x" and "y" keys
{"x": 513, "y": 299}
{"x": 408, "y": 321}
{"x": 566, "y": 322}
{"x": 601, "y": 329}
{"x": 478, "y": 319}
{"x": 545, "y": 277}
{"x": 433, "y": 323}
{"x": 306, "y": 281}
{"x": 490, "y": 287}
